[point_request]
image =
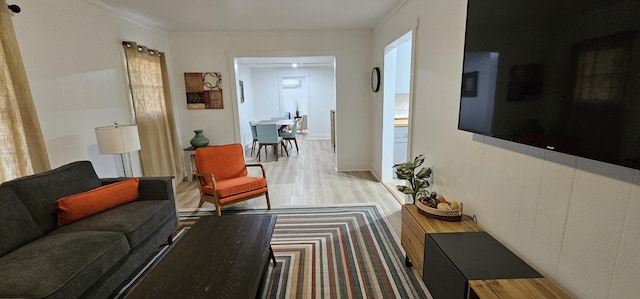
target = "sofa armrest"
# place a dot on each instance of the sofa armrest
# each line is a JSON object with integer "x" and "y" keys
{"x": 150, "y": 188}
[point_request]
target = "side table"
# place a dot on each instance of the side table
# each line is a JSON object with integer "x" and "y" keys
{"x": 189, "y": 155}
{"x": 415, "y": 226}
{"x": 472, "y": 265}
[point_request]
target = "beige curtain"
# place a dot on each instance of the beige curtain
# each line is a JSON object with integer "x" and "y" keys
{"x": 177, "y": 151}
{"x": 159, "y": 151}
{"x": 22, "y": 148}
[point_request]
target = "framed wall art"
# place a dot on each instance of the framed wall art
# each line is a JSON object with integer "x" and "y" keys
{"x": 204, "y": 90}
{"x": 241, "y": 92}
{"x": 470, "y": 85}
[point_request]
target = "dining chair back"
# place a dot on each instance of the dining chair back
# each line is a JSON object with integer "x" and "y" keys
{"x": 223, "y": 178}
{"x": 291, "y": 135}
{"x": 254, "y": 134}
{"x": 278, "y": 117}
{"x": 268, "y": 135}
{"x": 302, "y": 123}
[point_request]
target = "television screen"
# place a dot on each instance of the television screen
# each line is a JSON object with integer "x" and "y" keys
{"x": 557, "y": 74}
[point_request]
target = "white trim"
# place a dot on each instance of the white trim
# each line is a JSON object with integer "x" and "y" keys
{"x": 124, "y": 15}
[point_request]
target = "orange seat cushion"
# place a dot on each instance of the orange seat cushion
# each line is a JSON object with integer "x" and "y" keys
{"x": 78, "y": 206}
{"x": 236, "y": 186}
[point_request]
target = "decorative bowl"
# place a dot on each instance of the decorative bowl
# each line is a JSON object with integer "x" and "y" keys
{"x": 429, "y": 212}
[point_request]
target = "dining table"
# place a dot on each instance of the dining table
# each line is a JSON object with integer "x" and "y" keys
{"x": 279, "y": 122}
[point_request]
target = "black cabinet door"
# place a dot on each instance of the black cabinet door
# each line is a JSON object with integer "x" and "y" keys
{"x": 440, "y": 275}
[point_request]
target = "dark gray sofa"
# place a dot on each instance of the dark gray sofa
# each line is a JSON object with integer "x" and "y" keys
{"x": 90, "y": 258}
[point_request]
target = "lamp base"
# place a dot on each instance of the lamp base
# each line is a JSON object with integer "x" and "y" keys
{"x": 123, "y": 165}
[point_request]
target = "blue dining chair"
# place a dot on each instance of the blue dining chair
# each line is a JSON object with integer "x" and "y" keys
{"x": 278, "y": 117}
{"x": 254, "y": 133}
{"x": 268, "y": 135}
{"x": 291, "y": 135}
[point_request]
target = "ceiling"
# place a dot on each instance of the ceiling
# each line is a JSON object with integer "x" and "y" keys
{"x": 255, "y": 15}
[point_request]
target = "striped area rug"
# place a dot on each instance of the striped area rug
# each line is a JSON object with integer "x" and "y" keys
{"x": 336, "y": 252}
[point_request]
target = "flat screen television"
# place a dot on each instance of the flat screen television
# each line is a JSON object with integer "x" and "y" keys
{"x": 563, "y": 75}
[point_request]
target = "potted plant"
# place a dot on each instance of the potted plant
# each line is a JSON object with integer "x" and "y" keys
{"x": 426, "y": 202}
{"x": 418, "y": 179}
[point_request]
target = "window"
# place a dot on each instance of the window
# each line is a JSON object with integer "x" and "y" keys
{"x": 601, "y": 68}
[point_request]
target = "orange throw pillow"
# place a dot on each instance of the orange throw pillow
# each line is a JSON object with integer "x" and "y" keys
{"x": 78, "y": 206}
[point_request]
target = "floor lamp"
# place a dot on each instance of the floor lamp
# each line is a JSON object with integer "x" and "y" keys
{"x": 119, "y": 140}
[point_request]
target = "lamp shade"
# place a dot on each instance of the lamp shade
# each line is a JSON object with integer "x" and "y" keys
{"x": 118, "y": 139}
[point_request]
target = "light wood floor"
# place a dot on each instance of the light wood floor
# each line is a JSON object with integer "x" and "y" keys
{"x": 308, "y": 178}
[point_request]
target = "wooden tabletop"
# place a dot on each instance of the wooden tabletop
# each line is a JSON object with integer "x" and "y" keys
{"x": 515, "y": 288}
{"x": 401, "y": 122}
{"x": 430, "y": 225}
{"x": 219, "y": 257}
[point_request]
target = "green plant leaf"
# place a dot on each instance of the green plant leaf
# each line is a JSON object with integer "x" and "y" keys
{"x": 420, "y": 184}
{"x": 404, "y": 189}
{"x": 422, "y": 194}
{"x": 404, "y": 165}
{"x": 403, "y": 175}
{"x": 418, "y": 161}
{"x": 424, "y": 173}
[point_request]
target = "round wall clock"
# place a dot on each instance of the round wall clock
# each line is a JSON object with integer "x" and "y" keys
{"x": 375, "y": 79}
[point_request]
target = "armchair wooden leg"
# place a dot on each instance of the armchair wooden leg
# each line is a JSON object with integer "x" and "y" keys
{"x": 266, "y": 194}
{"x": 219, "y": 209}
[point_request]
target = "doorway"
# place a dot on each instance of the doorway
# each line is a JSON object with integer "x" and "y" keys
{"x": 274, "y": 86}
{"x": 397, "y": 89}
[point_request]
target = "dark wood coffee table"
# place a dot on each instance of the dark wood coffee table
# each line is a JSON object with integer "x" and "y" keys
{"x": 219, "y": 257}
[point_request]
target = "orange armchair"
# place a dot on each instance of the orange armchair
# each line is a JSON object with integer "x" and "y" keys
{"x": 222, "y": 176}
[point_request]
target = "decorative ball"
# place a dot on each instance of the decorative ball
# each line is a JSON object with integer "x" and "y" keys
{"x": 443, "y": 206}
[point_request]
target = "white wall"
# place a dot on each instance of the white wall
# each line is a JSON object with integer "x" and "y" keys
{"x": 321, "y": 96}
{"x": 246, "y": 110}
{"x": 573, "y": 219}
{"x": 212, "y": 51}
{"x": 73, "y": 57}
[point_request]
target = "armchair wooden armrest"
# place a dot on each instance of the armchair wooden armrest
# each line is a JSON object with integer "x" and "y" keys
{"x": 203, "y": 182}
{"x": 264, "y": 175}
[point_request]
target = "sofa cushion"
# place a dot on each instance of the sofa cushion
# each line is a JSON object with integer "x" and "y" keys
{"x": 78, "y": 206}
{"x": 39, "y": 192}
{"x": 236, "y": 186}
{"x": 18, "y": 228}
{"x": 64, "y": 264}
{"x": 137, "y": 220}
